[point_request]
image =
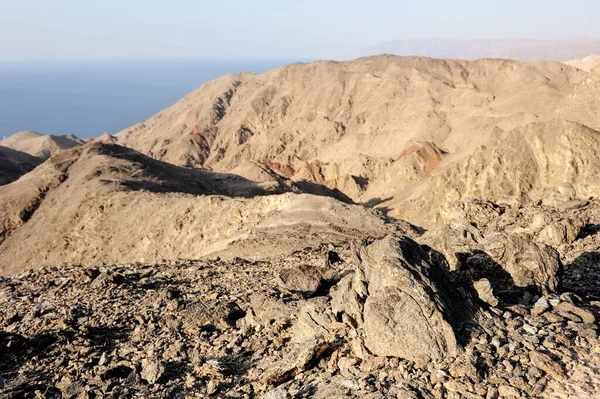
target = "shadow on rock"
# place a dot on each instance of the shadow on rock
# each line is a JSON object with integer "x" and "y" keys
{"x": 581, "y": 275}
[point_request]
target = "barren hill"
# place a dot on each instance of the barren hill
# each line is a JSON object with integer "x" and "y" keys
{"x": 40, "y": 145}
{"x": 103, "y": 203}
{"x": 527, "y": 50}
{"x": 586, "y": 64}
{"x": 376, "y": 129}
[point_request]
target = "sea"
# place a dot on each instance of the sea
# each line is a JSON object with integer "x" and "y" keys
{"x": 90, "y": 98}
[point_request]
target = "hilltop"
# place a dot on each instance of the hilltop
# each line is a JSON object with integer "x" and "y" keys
{"x": 40, "y": 145}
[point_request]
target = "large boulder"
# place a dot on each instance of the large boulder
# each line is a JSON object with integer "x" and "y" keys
{"x": 512, "y": 262}
{"x": 530, "y": 264}
{"x": 456, "y": 241}
{"x": 408, "y": 307}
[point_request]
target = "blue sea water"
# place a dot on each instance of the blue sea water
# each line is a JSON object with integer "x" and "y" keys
{"x": 88, "y": 99}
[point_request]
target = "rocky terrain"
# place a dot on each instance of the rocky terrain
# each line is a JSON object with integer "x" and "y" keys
{"x": 386, "y": 130}
{"x": 384, "y": 318}
{"x": 382, "y": 228}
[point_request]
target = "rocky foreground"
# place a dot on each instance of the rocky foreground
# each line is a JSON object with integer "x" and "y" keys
{"x": 383, "y": 319}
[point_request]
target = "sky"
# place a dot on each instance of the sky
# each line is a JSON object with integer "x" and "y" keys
{"x": 152, "y": 29}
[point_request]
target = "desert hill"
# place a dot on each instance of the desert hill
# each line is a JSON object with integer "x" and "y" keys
{"x": 40, "y": 145}
{"x": 582, "y": 104}
{"x": 377, "y": 129}
{"x": 103, "y": 203}
{"x": 586, "y": 64}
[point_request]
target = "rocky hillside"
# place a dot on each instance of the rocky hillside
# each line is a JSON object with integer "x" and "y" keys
{"x": 248, "y": 242}
{"x": 587, "y": 64}
{"x": 103, "y": 203}
{"x": 385, "y": 319}
{"x": 381, "y": 129}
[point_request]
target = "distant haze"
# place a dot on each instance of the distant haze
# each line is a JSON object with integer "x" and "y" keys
{"x": 333, "y": 29}
{"x": 527, "y": 50}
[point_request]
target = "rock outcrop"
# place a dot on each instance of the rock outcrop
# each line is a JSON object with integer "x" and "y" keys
{"x": 405, "y": 305}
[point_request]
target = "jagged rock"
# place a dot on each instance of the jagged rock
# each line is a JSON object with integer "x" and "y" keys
{"x": 456, "y": 241}
{"x": 546, "y": 364}
{"x": 574, "y": 313}
{"x": 314, "y": 320}
{"x": 558, "y": 232}
{"x": 152, "y": 370}
{"x": 507, "y": 391}
{"x": 277, "y": 393}
{"x": 264, "y": 309}
{"x": 346, "y": 301}
{"x": 304, "y": 279}
{"x": 529, "y": 264}
{"x": 212, "y": 313}
{"x": 540, "y": 306}
{"x": 409, "y": 308}
{"x": 411, "y": 390}
{"x": 296, "y": 360}
{"x": 485, "y": 291}
{"x": 477, "y": 212}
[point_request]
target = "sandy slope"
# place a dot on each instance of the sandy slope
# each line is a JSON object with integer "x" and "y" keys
{"x": 586, "y": 64}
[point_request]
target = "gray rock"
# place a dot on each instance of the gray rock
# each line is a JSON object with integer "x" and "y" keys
{"x": 277, "y": 393}
{"x": 528, "y": 263}
{"x": 304, "y": 279}
{"x": 264, "y": 309}
{"x": 211, "y": 313}
{"x": 346, "y": 301}
{"x": 546, "y": 364}
{"x": 455, "y": 241}
{"x": 540, "y": 306}
{"x": 152, "y": 370}
{"x": 314, "y": 320}
{"x": 411, "y": 306}
{"x": 574, "y": 313}
{"x": 485, "y": 291}
{"x": 294, "y": 361}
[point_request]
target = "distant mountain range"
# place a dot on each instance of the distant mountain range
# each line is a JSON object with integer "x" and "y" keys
{"x": 527, "y": 50}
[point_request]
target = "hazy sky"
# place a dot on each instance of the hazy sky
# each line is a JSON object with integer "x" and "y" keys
{"x": 117, "y": 29}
